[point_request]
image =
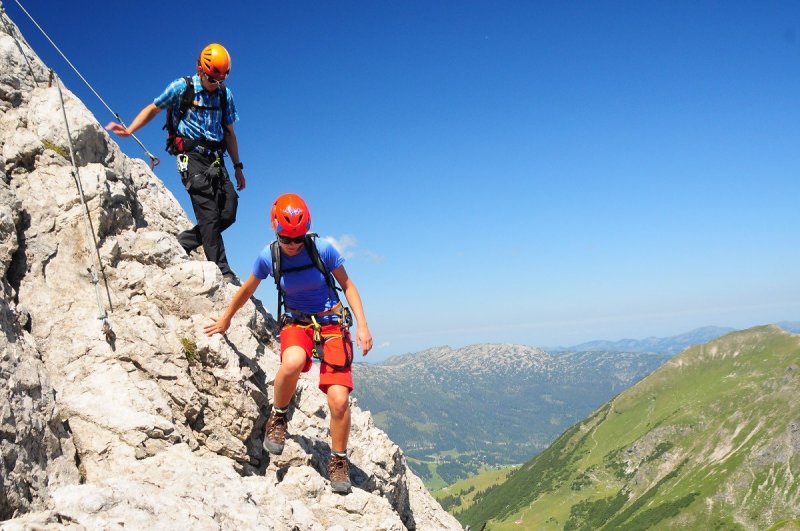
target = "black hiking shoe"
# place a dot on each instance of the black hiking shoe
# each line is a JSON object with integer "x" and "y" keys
{"x": 231, "y": 278}
{"x": 339, "y": 474}
{"x": 275, "y": 435}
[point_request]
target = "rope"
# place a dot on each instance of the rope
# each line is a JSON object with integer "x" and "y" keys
{"x": 87, "y": 221}
{"x": 153, "y": 159}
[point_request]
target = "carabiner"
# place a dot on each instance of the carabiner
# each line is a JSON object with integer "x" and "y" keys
{"x": 183, "y": 162}
{"x": 317, "y": 338}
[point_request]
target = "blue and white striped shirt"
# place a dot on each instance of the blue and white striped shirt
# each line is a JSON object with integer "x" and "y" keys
{"x": 198, "y": 123}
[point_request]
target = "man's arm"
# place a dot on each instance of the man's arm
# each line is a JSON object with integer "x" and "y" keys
{"x": 142, "y": 119}
{"x": 243, "y": 294}
{"x": 363, "y": 335}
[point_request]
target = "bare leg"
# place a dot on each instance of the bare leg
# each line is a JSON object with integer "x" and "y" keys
{"x": 339, "y": 404}
{"x": 294, "y": 358}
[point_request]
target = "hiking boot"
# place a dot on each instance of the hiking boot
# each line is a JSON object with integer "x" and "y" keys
{"x": 189, "y": 240}
{"x": 339, "y": 474}
{"x": 276, "y": 434}
{"x": 231, "y": 278}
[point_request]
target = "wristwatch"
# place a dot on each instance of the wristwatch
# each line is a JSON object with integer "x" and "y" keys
{"x": 238, "y": 166}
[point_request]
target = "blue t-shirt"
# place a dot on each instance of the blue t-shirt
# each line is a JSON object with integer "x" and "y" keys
{"x": 305, "y": 290}
{"x": 197, "y": 123}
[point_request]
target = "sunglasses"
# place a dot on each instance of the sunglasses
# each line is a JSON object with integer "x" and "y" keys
{"x": 287, "y": 240}
{"x": 213, "y": 80}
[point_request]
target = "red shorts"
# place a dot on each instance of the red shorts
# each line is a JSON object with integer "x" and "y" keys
{"x": 334, "y": 352}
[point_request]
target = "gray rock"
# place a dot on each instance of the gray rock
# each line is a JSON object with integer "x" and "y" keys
{"x": 153, "y": 425}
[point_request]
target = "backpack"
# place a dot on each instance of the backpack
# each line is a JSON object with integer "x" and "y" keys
{"x": 175, "y": 143}
{"x": 316, "y": 261}
{"x": 344, "y": 318}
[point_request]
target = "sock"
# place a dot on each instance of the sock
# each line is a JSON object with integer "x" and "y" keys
{"x": 280, "y": 410}
{"x": 340, "y": 454}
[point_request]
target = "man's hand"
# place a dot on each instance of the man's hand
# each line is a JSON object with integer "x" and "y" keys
{"x": 142, "y": 119}
{"x": 240, "y": 182}
{"x": 219, "y": 326}
{"x": 363, "y": 339}
{"x": 118, "y": 129}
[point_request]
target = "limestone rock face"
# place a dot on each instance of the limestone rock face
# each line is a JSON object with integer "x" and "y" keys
{"x": 152, "y": 425}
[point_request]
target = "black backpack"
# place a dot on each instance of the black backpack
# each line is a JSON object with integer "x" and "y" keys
{"x": 316, "y": 261}
{"x": 175, "y": 143}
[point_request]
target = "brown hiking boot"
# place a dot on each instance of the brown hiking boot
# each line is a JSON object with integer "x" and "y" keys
{"x": 339, "y": 474}
{"x": 275, "y": 434}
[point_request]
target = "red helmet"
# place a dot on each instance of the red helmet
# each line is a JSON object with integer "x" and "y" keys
{"x": 214, "y": 61}
{"x": 290, "y": 216}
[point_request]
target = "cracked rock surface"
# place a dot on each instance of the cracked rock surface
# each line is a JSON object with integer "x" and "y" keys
{"x": 156, "y": 425}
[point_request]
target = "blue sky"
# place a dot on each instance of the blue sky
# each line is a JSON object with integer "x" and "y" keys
{"x": 532, "y": 172}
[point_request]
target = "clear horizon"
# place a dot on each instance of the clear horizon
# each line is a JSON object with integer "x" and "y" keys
{"x": 532, "y": 173}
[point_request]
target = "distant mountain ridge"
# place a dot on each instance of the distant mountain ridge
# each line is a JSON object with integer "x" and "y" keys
{"x": 472, "y": 358}
{"x": 710, "y": 440}
{"x": 662, "y": 345}
{"x": 493, "y": 403}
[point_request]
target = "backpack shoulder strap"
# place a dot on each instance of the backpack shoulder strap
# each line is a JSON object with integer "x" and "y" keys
{"x": 276, "y": 263}
{"x": 275, "y": 251}
{"x": 313, "y": 252}
{"x": 187, "y": 99}
{"x": 223, "y": 103}
{"x": 188, "y": 95}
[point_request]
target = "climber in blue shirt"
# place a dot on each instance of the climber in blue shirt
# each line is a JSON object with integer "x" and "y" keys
{"x": 200, "y": 117}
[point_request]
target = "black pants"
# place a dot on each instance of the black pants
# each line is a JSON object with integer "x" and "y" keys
{"x": 215, "y": 203}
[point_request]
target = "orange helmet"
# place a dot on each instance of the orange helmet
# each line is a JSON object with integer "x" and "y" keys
{"x": 214, "y": 61}
{"x": 290, "y": 216}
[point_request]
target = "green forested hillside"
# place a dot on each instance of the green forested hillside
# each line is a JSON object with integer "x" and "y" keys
{"x": 711, "y": 440}
{"x": 463, "y": 493}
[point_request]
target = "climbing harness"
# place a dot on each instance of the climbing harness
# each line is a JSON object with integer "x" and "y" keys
{"x": 319, "y": 339}
{"x": 205, "y": 181}
{"x": 153, "y": 159}
{"x": 306, "y": 320}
